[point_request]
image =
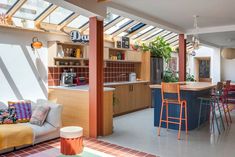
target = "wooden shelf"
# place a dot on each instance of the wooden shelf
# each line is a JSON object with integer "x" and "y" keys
{"x": 69, "y": 58}
{"x": 70, "y": 43}
{"x": 130, "y": 61}
{"x": 120, "y": 49}
{"x": 71, "y": 66}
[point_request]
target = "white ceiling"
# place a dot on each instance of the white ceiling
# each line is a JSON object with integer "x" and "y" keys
{"x": 180, "y": 12}
{"x": 216, "y": 17}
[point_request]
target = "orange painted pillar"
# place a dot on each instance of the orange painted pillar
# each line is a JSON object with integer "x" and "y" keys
{"x": 96, "y": 48}
{"x": 182, "y": 58}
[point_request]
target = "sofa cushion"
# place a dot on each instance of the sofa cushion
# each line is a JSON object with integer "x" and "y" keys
{"x": 39, "y": 115}
{"x": 54, "y": 115}
{"x": 40, "y": 131}
{"x": 23, "y": 110}
{"x": 8, "y": 116}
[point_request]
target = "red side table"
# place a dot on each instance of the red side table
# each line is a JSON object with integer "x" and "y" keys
{"x": 71, "y": 140}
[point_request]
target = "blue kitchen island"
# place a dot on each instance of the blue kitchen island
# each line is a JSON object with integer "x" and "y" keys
{"x": 190, "y": 91}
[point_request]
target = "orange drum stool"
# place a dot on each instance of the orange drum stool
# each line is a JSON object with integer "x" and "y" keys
{"x": 71, "y": 140}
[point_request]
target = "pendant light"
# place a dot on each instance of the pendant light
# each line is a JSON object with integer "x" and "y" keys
{"x": 195, "y": 38}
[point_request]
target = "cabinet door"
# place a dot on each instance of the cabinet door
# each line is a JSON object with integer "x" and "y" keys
{"x": 121, "y": 99}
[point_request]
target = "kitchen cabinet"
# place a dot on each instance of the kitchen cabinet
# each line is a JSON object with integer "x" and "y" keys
{"x": 131, "y": 97}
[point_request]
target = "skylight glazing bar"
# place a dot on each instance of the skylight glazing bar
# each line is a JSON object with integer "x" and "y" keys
{"x": 153, "y": 35}
{"x": 147, "y": 33}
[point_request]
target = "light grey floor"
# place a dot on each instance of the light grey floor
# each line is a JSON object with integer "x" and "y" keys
{"x": 136, "y": 131}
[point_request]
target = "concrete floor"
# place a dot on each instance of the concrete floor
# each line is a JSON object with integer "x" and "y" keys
{"x": 136, "y": 130}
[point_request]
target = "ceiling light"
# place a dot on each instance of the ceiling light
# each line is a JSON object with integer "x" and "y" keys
{"x": 195, "y": 38}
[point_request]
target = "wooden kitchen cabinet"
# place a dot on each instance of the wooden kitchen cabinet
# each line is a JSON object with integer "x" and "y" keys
{"x": 131, "y": 97}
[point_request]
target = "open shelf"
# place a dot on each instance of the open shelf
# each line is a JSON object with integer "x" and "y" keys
{"x": 71, "y": 66}
{"x": 69, "y": 58}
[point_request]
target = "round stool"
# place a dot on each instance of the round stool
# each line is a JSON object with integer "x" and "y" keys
{"x": 71, "y": 140}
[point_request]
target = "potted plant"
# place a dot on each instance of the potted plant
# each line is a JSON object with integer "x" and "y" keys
{"x": 158, "y": 48}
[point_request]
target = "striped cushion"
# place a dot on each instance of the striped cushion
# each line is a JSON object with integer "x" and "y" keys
{"x": 23, "y": 110}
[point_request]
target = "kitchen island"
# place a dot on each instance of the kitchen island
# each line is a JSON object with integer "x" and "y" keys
{"x": 190, "y": 91}
{"x": 75, "y": 101}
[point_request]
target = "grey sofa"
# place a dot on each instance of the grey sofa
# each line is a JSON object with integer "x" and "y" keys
{"x": 50, "y": 128}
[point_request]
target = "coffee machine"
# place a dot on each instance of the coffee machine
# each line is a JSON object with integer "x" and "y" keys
{"x": 67, "y": 78}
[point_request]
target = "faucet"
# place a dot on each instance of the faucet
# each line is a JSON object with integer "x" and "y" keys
{"x": 119, "y": 76}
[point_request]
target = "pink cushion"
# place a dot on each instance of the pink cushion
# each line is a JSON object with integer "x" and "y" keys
{"x": 39, "y": 115}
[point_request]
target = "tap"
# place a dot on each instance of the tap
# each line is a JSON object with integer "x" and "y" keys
{"x": 119, "y": 76}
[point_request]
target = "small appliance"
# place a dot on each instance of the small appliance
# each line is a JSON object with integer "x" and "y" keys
{"x": 132, "y": 77}
{"x": 67, "y": 78}
{"x": 81, "y": 81}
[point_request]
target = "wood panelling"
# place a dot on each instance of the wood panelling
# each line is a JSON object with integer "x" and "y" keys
{"x": 76, "y": 109}
{"x": 132, "y": 97}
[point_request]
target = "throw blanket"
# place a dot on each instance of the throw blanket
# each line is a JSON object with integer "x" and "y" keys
{"x": 13, "y": 135}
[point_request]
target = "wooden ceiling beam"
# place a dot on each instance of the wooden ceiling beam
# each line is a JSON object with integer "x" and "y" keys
{"x": 15, "y": 8}
{"x": 124, "y": 28}
{"x": 44, "y": 15}
{"x": 66, "y": 22}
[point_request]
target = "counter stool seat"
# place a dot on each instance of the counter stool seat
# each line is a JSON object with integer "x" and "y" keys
{"x": 71, "y": 140}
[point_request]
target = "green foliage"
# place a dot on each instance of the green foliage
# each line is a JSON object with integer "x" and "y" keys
{"x": 158, "y": 48}
{"x": 170, "y": 76}
{"x": 190, "y": 77}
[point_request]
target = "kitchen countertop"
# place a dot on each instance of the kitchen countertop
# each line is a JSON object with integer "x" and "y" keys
{"x": 79, "y": 88}
{"x": 106, "y": 88}
{"x": 123, "y": 83}
{"x": 191, "y": 86}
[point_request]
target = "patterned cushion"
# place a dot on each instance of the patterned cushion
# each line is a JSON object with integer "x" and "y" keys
{"x": 8, "y": 116}
{"x": 39, "y": 115}
{"x": 23, "y": 110}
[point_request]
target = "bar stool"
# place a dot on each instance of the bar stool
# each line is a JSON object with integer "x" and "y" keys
{"x": 224, "y": 100}
{"x": 213, "y": 101}
{"x": 173, "y": 88}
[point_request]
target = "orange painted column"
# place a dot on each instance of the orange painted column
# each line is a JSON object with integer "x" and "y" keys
{"x": 182, "y": 58}
{"x": 96, "y": 48}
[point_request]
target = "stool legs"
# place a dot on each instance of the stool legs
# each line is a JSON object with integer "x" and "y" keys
{"x": 180, "y": 123}
{"x": 200, "y": 110}
{"x": 186, "y": 117}
{"x": 160, "y": 121}
{"x": 220, "y": 114}
{"x": 167, "y": 124}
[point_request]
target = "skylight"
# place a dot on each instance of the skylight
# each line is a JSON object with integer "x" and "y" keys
{"x": 78, "y": 22}
{"x": 135, "y": 27}
{"x": 110, "y": 17}
{"x": 153, "y": 34}
{"x": 58, "y": 16}
{"x": 5, "y": 5}
{"x": 118, "y": 26}
{"x": 32, "y": 9}
{"x": 142, "y": 32}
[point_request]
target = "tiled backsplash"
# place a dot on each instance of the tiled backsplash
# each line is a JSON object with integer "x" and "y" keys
{"x": 113, "y": 71}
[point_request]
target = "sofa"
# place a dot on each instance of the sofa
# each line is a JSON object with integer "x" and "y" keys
{"x": 49, "y": 130}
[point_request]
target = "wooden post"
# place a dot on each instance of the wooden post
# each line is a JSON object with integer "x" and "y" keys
{"x": 182, "y": 58}
{"x": 96, "y": 48}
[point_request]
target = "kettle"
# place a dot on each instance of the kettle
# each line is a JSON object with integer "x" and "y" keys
{"x": 132, "y": 77}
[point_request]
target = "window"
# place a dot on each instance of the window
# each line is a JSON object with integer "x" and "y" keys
{"x": 110, "y": 17}
{"x": 32, "y": 9}
{"x": 142, "y": 32}
{"x": 122, "y": 34}
{"x": 5, "y": 5}
{"x": 58, "y": 16}
{"x": 118, "y": 26}
{"x": 19, "y": 22}
{"x": 78, "y": 22}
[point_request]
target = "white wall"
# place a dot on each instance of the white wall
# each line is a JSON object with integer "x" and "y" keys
{"x": 23, "y": 72}
{"x": 214, "y": 54}
{"x": 228, "y": 69}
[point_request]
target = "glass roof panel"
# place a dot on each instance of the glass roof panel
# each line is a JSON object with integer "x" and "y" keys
{"x": 5, "y": 5}
{"x": 110, "y": 17}
{"x": 58, "y": 16}
{"x": 135, "y": 27}
{"x": 118, "y": 26}
{"x": 142, "y": 32}
{"x": 78, "y": 22}
{"x": 154, "y": 33}
{"x": 24, "y": 23}
{"x": 32, "y": 9}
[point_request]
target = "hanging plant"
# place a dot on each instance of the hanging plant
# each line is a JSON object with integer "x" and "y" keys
{"x": 158, "y": 48}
